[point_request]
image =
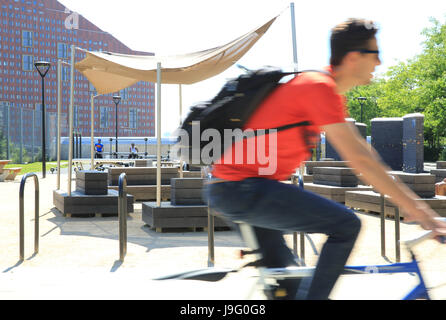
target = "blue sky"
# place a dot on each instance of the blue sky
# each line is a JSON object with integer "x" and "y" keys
{"x": 178, "y": 26}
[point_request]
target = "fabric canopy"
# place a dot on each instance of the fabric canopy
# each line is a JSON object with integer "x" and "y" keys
{"x": 111, "y": 72}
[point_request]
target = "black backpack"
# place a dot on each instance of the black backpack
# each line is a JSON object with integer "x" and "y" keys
{"x": 229, "y": 109}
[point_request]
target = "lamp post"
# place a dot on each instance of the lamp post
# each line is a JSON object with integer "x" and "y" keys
{"x": 116, "y": 100}
{"x": 361, "y": 101}
{"x": 43, "y": 67}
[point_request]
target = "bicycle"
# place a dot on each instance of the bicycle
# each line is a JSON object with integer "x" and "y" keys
{"x": 267, "y": 276}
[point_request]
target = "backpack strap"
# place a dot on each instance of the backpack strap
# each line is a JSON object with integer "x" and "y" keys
{"x": 285, "y": 127}
{"x": 309, "y": 70}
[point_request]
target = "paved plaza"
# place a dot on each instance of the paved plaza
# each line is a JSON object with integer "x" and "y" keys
{"x": 79, "y": 257}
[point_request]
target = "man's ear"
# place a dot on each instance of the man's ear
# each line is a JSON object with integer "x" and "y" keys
{"x": 351, "y": 58}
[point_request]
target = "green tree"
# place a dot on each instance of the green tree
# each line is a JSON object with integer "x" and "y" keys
{"x": 2, "y": 145}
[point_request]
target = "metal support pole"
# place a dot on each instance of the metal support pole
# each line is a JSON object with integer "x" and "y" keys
{"x": 302, "y": 234}
{"x": 122, "y": 216}
{"x": 22, "y": 214}
{"x": 181, "y": 116}
{"x": 33, "y": 133}
{"x": 21, "y": 136}
{"x": 361, "y": 111}
{"x": 383, "y": 226}
{"x": 397, "y": 235}
{"x": 70, "y": 120}
{"x": 158, "y": 135}
{"x": 8, "y": 114}
{"x": 293, "y": 35}
{"x": 92, "y": 132}
{"x": 59, "y": 110}
{"x": 116, "y": 133}
{"x": 76, "y": 145}
{"x": 43, "y": 131}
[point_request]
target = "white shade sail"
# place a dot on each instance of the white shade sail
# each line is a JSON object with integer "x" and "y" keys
{"x": 111, "y": 72}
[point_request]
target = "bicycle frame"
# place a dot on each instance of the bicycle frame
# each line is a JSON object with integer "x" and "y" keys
{"x": 419, "y": 292}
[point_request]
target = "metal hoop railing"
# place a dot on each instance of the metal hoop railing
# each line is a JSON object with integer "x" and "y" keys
{"x": 383, "y": 229}
{"x": 22, "y": 214}
{"x": 122, "y": 216}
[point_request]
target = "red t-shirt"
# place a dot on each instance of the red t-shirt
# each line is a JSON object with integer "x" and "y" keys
{"x": 308, "y": 97}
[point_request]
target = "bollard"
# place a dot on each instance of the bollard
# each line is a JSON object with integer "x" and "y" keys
{"x": 22, "y": 214}
{"x": 122, "y": 216}
{"x": 383, "y": 227}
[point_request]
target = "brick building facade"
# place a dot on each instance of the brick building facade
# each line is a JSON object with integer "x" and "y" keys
{"x": 32, "y": 30}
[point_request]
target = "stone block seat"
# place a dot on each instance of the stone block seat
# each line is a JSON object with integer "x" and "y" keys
{"x": 92, "y": 182}
{"x": 141, "y": 181}
{"x": 310, "y": 165}
{"x": 423, "y": 184}
{"x": 185, "y": 210}
{"x": 371, "y": 201}
{"x": 333, "y": 182}
{"x": 333, "y": 176}
{"x": 79, "y": 203}
{"x": 440, "y": 174}
{"x": 91, "y": 196}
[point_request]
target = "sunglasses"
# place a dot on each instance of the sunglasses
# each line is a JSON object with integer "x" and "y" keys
{"x": 367, "y": 51}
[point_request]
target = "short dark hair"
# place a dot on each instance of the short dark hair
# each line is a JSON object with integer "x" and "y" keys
{"x": 350, "y": 35}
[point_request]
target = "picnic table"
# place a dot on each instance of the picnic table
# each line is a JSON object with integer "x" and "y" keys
{"x": 8, "y": 173}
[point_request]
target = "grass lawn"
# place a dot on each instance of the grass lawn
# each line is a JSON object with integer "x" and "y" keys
{"x": 37, "y": 166}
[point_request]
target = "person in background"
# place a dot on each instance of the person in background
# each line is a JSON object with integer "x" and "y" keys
{"x": 133, "y": 152}
{"x": 99, "y": 149}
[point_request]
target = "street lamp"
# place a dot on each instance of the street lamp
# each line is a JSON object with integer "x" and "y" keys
{"x": 361, "y": 101}
{"x": 43, "y": 67}
{"x": 116, "y": 100}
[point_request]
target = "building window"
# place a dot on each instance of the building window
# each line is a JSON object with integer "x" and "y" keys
{"x": 103, "y": 121}
{"x": 62, "y": 50}
{"x": 75, "y": 116}
{"x": 27, "y": 62}
{"x": 65, "y": 73}
{"x": 27, "y": 38}
{"x": 124, "y": 93}
{"x": 133, "y": 118}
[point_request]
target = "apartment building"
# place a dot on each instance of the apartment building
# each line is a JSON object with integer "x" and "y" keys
{"x": 33, "y": 30}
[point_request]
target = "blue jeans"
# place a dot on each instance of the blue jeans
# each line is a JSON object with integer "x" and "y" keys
{"x": 273, "y": 207}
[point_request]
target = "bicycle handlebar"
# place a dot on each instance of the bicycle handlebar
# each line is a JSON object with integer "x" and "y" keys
{"x": 410, "y": 243}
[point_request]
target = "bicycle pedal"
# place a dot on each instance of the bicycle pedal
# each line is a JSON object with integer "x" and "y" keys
{"x": 280, "y": 293}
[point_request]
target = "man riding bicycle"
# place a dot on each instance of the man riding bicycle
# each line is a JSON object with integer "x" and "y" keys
{"x": 252, "y": 192}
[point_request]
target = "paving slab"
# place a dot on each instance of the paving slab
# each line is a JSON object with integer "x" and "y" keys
{"x": 79, "y": 257}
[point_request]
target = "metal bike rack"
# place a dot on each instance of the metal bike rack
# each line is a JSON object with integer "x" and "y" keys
{"x": 383, "y": 230}
{"x": 383, "y": 226}
{"x": 211, "y": 252}
{"x": 122, "y": 216}
{"x": 301, "y": 234}
{"x": 22, "y": 214}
